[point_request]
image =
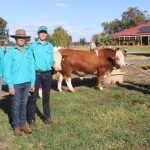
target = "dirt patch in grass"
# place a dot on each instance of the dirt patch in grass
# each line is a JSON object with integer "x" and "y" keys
{"x": 137, "y": 128}
{"x": 137, "y": 102}
{"x": 142, "y": 147}
{"x": 4, "y": 144}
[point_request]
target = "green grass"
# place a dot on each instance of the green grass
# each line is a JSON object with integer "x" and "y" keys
{"x": 116, "y": 119}
{"x": 137, "y": 48}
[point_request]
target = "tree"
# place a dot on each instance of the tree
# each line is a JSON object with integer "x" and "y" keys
{"x": 60, "y": 37}
{"x": 104, "y": 38}
{"x": 82, "y": 41}
{"x": 133, "y": 17}
{"x": 130, "y": 18}
{"x": 96, "y": 37}
{"x": 3, "y": 25}
{"x": 3, "y": 31}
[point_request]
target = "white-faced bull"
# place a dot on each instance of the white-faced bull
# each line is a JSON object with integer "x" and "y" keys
{"x": 81, "y": 63}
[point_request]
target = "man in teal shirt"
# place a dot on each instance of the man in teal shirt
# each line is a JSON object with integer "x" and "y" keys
{"x": 1, "y": 67}
{"x": 43, "y": 54}
{"x": 19, "y": 74}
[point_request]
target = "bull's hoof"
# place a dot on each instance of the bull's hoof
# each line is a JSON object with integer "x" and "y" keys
{"x": 73, "y": 91}
{"x": 59, "y": 90}
{"x": 101, "y": 88}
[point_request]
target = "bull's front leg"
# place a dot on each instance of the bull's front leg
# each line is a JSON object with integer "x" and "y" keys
{"x": 100, "y": 81}
{"x": 69, "y": 84}
{"x": 59, "y": 83}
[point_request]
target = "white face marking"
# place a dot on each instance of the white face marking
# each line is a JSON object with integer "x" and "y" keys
{"x": 120, "y": 57}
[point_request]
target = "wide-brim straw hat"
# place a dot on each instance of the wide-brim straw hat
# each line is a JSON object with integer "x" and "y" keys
{"x": 20, "y": 33}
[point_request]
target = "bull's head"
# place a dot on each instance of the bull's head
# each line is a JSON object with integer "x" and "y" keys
{"x": 115, "y": 56}
{"x": 120, "y": 56}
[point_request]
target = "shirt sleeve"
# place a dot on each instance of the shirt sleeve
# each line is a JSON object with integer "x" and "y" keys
{"x": 7, "y": 69}
{"x": 52, "y": 56}
{"x": 32, "y": 65}
{"x": 1, "y": 62}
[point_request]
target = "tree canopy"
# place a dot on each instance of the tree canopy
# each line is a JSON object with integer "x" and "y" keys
{"x": 130, "y": 18}
{"x": 3, "y": 25}
{"x": 3, "y": 32}
{"x": 60, "y": 37}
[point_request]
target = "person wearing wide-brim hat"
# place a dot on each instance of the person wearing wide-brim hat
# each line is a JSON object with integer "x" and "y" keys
{"x": 19, "y": 74}
{"x": 43, "y": 53}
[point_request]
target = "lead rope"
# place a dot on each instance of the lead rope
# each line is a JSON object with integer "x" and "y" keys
{"x": 137, "y": 69}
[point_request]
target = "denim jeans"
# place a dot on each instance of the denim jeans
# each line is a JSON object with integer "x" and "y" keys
{"x": 19, "y": 104}
{"x": 43, "y": 80}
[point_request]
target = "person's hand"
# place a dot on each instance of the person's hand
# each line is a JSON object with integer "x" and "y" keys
{"x": 32, "y": 88}
{"x": 12, "y": 91}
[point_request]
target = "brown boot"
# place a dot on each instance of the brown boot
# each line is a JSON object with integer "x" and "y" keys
{"x": 17, "y": 132}
{"x": 33, "y": 126}
{"x": 48, "y": 121}
{"x": 25, "y": 130}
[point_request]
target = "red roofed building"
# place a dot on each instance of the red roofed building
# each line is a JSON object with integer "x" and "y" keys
{"x": 139, "y": 35}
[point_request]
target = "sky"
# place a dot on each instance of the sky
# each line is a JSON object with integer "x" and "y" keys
{"x": 81, "y": 18}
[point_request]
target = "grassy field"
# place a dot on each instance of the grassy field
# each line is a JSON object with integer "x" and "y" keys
{"x": 116, "y": 119}
{"x": 130, "y": 48}
{"x": 138, "y": 48}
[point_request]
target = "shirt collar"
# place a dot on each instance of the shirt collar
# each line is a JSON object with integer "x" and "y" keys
{"x": 15, "y": 46}
{"x": 45, "y": 42}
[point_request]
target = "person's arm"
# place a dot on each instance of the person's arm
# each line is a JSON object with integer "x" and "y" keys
{"x": 31, "y": 48}
{"x": 8, "y": 68}
{"x": 32, "y": 69}
{"x": 2, "y": 62}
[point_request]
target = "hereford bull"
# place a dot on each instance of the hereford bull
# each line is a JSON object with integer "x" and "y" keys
{"x": 81, "y": 63}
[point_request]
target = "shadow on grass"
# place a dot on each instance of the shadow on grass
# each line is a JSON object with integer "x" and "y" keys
{"x": 5, "y": 88}
{"x": 144, "y": 88}
{"x": 5, "y": 105}
{"x": 77, "y": 82}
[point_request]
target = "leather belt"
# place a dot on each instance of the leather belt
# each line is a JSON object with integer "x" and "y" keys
{"x": 48, "y": 71}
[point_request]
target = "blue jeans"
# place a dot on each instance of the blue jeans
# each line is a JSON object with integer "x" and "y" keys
{"x": 19, "y": 103}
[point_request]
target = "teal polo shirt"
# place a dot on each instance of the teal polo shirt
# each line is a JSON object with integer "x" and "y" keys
{"x": 19, "y": 67}
{"x": 1, "y": 62}
{"x": 43, "y": 55}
